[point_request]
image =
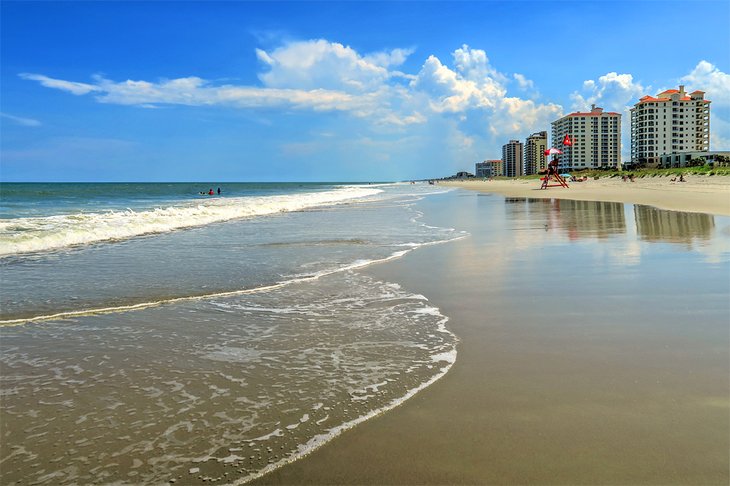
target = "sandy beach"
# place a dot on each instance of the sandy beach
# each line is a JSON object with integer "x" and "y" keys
{"x": 621, "y": 380}
{"x": 701, "y": 194}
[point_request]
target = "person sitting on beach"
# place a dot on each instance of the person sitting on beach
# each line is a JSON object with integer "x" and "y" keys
{"x": 681, "y": 178}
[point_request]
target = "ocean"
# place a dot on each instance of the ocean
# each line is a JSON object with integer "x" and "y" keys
{"x": 150, "y": 332}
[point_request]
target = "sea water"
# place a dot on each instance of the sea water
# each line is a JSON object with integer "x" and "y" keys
{"x": 151, "y": 333}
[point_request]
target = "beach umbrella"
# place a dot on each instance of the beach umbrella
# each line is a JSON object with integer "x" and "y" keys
{"x": 553, "y": 151}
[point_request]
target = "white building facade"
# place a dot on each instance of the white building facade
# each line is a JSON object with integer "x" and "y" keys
{"x": 673, "y": 122}
{"x": 596, "y": 138}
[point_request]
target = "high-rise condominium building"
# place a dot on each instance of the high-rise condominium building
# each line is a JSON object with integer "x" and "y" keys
{"x": 535, "y": 147}
{"x": 596, "y": 138}
{"x": 670, "y": 123}
{"x": 512, "y": 158}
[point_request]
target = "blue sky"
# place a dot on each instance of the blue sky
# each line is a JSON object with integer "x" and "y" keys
{"x": 330, "y": 91}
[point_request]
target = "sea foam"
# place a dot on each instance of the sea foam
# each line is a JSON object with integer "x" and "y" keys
{"x": 34, "y": 234}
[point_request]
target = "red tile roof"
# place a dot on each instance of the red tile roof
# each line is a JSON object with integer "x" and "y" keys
{"x": 647, "y": 98}
{"x": 593, "y": 113}
{"x": 697, "y": 91}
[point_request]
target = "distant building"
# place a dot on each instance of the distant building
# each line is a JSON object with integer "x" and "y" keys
{"x": 718, "y": 158}
{"x": 482, "y": 169}
{"x": 596, "y": 138}
{"x": 535, "y": 147}
{"x": 488, "y": 168}
{"x": 673, "y": 122}
{"x": 512, "y": 158}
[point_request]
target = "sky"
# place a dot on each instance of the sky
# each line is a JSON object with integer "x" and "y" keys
{"x": 330, "y": 91}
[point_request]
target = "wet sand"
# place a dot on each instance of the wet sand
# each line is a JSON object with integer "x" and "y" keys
{"x": 702, "y": 194}
{"x": 604, "y": 387}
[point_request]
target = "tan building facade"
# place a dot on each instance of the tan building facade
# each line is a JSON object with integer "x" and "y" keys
{"x": 596, "y": 138}
{"x": 535, "y": 147}
{"x": 670, "y": 123}
{"x": 488, "y": 168}
{"x": 512, "y": 158}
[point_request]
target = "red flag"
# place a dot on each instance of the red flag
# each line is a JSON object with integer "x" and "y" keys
{"x": 567, "y": 141}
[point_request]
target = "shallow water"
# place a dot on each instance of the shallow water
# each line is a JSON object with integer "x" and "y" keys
{"x": 222, "y": 349}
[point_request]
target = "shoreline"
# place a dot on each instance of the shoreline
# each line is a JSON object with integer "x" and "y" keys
{"x": 699, "y": 194}
{"x": 599, "y": 393}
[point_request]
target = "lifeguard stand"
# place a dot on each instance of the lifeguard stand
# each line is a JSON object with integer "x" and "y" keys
{"x": 553, "y": 177}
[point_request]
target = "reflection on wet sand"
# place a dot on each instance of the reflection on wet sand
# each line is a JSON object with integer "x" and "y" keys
{"x": 656, "y": 225}
{"x": 577, "y": 219}
{"x": 594, "y": 219}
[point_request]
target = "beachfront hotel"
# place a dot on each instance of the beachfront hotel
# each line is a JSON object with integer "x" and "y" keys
{"x": 535, "y": 147}
{"x": 673, "y": 122}
{"x": 512, "y": 158}
{"x": 595, "y": 136}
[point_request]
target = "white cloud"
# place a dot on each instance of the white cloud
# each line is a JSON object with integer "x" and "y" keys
{"x": 319, "y": 64}
{"x": 518, "y": 118}
{"x": 612, "y": 92}
{"x": 523, "y": 82}
{"x": 321, "y": 76}
{"x": 70, "y": 86}
{"x": 708, "y": 78}
{"x": 26, "y": 122}
{"x": 472, "y": 85}
{"x": 393, "y": 58}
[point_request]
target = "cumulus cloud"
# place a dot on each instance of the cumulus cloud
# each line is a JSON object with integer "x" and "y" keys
{"x": 518, "y": 117}
{"x": 523, "y": 82}
{"x": 709, "y": 78}
{"x": 612, "y": 91}
{"x": 322, "y": 76}
{"x": 472, "y": 84}
{"x": 320, "y": 64}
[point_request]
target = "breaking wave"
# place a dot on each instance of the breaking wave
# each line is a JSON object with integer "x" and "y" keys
{"x": 34, "y": 234}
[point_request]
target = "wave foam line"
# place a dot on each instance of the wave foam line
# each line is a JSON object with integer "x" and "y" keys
{"x": 27, "y": 235}
{"x": 321, "y": 439}
{"x": 145, "y": 305}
